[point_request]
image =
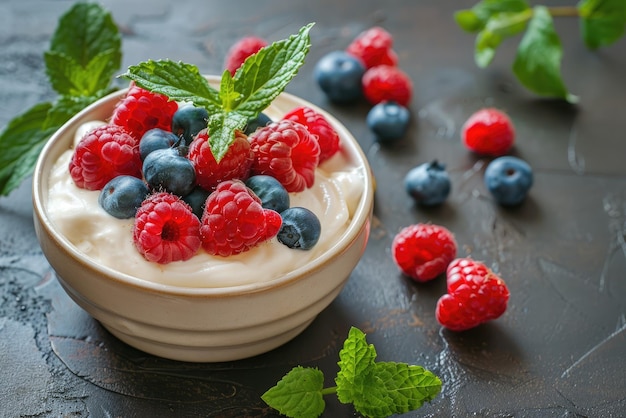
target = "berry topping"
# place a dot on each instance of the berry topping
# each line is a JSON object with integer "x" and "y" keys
{"x": 188, "y": 121}
{"x": 241, "y": 50}
{"x": 197, "y": 199}
{"x": 388, "y": 120}
{"x": 488, "y": 132}
{"x": 318, "y": 125}
{"x": 287, "y": 151}
{"x": 121, "y": 196}
{"x": 339, "y": 75}
{"x": 166, "y": 170}
{"x": 155, "y": 139}
{"x": 301, "y": 228}
{"x": 165, "y": 229}
{"x": 387, "y": 83}
{"x": 428, "y": 184}
{"x": 234, "y": 220}
{"x": 234, "y": 165}
{"x": 373, "y": 47}
{"x": 141, "y": 110}
{"x": 258, "y": 122}
{"x": 103, "y": 153}
{"x": 508, "y": 179}
{"x": 273, "y": 195}
{"x": 475, "y": 295}
{"x": 423, "y": 251}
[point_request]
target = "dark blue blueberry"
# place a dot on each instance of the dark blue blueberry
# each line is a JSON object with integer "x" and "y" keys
{"x": 167, "y": 170}
{"x": 197, "y": 200}
{"x": 122, "y": 195}
{"x": 155, "y": 139}
{"x": 428, "y": 184}
{"x": 272, "y": 193}
{"x": 339, "y": 76}
{"x": 301, "y": 228}
{"x": 388, "y": 120}
{"x": 260, "y": 121}
{"x": 508, "y": 179}
{"x": 188, "y": 121}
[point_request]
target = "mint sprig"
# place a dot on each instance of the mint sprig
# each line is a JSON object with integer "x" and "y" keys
{"x": 376, "y": 389}
{"x": 242, "y": 96}
{"x": 84, "y": 54}
{"x": 537, "y": 63}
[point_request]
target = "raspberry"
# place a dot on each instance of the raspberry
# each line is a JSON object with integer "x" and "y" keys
{"x": 489, "y": 132}
{"x": 423, "y": 251}
{"x": 234, "y": 220}
{"x": 141, "y": 110}
{"x": 235, "y": 164}
{"x": 374, "y": 47}
{"x": 166, "y": 229}
{"x": 387, "y": 83}
{"x": 287, "y": 151}
{"x": 475, "y": 295}
{"x": 241, "y": 50}
{"x": 318, "y": 125}
{"x": 103, "y": 153}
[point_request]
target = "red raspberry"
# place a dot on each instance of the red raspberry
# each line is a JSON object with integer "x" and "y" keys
{"x": 373, "y": 47}
{"x": 475, "y": 295}
{"x": 488, "y": 132}
{"x": 241, "y": 50}
{"x": 287, "y": 151}
{"x": 103, "y": 153}
{"x": 387, "y": 83}
{"x": 234, "y": 220}
{"x": 166, "y": 229}
{"x": 423, "y": 251}
{"x": 141, "y": 110}
{"x": 235, "y": 164}
{"x": 318, "y": 125}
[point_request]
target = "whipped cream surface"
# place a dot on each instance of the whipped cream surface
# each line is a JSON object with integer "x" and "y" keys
{"x": 108, "y": 241}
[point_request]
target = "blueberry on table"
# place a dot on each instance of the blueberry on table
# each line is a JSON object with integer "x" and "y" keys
{"x": 339, "y": 75}
{"x": 428, "y": 183}
{"x": 272, "y": 193}
{"x": 122, "y": 195}
{"x": 508, "y": 179}
{"x": 259, "y": 121}
{"x": 167, "y": 170}
{"x": 388, "y": 121}
{"x": 188, "y": 121}
{"x": 301, "y": 228}
{"x": 155, "y": 139}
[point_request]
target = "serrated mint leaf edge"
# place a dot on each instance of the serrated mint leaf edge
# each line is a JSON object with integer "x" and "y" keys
{"x": 281, "y": 396}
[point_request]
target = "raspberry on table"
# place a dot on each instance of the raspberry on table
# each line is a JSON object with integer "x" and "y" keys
{"x": 475, "y": 295}
{"x": 103, "y": 153}
{"x": 423, "y": 251}
{"x": 287, "y": 151}
{"x": 241, "y": 50}
{"x": 374, "y": 47}
{"x": 234, "y": 220}
{"x": 318, "y": 125}
{"x": 166, "y": 229}
{"x": 141, "y": 110}
{"x": 387, "y": 83}
{"x": 235, "y": 164}
{"x": 488, "y": 131}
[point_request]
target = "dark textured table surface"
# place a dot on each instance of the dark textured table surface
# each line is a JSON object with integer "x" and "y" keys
{"x": 558, "y": 351}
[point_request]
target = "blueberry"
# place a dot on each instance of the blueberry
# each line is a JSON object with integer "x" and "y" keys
{"x": 301, "y": 228}
{"x": 508, "y": 179}
{"x": 388, "y": 120}
{"x": 188, "y": 121}
{"x": 428, "y": 183}
{"x": 339, "y": 76}
{"x": 197, "y": 200}
{"x": 155, "y": 139}
{"x": 167, "y": 170}
{"x": 122, "y": 195}
{"x": 272, "y": 193}
{"x": 260, "y": 121}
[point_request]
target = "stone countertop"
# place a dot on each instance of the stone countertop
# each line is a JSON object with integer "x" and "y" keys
{"x": 560, "y": 348}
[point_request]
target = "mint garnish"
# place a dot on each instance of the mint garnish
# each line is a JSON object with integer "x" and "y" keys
{"x": 261, "y": 78}
{"x": 376, "y": 389}
{"x": 84, "y": 54}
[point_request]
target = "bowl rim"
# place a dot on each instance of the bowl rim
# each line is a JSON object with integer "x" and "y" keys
{"x": 359, "y": 219}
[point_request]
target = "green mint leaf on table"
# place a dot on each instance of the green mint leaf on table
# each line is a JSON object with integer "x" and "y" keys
{"x": 261, "y": 78}
{"x": 476, "y": 18}
{"x": 498, "y": 27}
{"x": 602, "y": 21}
{"x": 356, "y": 361}
{"x": 84, "y": 54}
{"x": 298, "y": 393}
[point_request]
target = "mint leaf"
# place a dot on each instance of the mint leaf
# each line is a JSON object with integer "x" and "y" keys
{"x": 298, "y": 393}
{"x": 602, "y": 21}
{"x": 476, "y": 18}
{"x": 537, "y": 63}
{"x": 356, "y": 359}
{"x": 498, "y": 27}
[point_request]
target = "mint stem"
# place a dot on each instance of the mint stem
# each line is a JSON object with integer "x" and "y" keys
{"x": 329, "y": 391}
{"x": 563, "y": 11}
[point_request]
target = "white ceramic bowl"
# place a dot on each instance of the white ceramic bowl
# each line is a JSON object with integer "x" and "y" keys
{"x": 200, "y": 324}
